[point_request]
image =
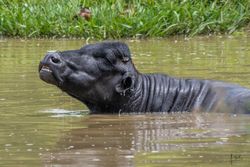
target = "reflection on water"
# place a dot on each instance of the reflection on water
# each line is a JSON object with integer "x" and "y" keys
{"x": 155, "y": 139}
{"x": 41, "y": 126}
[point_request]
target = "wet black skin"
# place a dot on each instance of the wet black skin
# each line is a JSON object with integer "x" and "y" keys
{"x": 103, "y": 77}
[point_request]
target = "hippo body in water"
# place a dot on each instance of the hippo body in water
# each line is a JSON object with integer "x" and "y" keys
{"x": 103, "y": 77}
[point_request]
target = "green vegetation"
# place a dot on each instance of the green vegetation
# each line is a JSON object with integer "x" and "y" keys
{"x": 121, "y": 19}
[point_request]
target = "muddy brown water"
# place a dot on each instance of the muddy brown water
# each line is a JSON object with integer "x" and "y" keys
{"x": 41, "y": 126}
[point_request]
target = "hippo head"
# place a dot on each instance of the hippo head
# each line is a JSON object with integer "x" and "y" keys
{"x": 96, "y": 73}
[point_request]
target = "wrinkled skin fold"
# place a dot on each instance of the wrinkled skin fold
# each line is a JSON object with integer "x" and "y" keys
{"x": 104, "y": 78}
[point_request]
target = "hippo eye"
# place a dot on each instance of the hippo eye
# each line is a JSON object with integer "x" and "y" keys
{"x": 103, "y": 60}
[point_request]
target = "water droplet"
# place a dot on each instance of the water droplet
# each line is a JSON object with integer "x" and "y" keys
{"x": 129, "y": 156}
{"x": 70, "y": 147}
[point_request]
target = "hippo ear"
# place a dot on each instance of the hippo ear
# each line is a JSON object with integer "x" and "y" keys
{"x": 125, "y": 84}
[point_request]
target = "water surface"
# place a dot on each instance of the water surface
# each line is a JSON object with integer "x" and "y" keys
{"x": 42, "y": 126}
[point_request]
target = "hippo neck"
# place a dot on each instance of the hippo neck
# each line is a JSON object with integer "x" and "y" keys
{"x": 161, "y": 93}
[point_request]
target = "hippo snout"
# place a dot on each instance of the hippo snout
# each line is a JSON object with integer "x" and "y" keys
{"x": 48, "y": 67}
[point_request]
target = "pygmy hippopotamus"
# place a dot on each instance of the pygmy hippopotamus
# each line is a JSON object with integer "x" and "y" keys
{"x": 104, "y": 78}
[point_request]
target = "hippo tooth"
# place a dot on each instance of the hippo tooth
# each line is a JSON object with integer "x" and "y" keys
{"x": 46, "y": 68}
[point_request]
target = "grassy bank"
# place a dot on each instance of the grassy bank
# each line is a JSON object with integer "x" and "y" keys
{"x": 121, "y": 19}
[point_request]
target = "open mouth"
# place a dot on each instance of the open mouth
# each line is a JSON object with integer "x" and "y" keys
{"x": 46, "y": 74}
{"x": 45, "y": 68}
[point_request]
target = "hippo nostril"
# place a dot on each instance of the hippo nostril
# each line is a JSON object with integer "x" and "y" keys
{"x": 55, "y": 60}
